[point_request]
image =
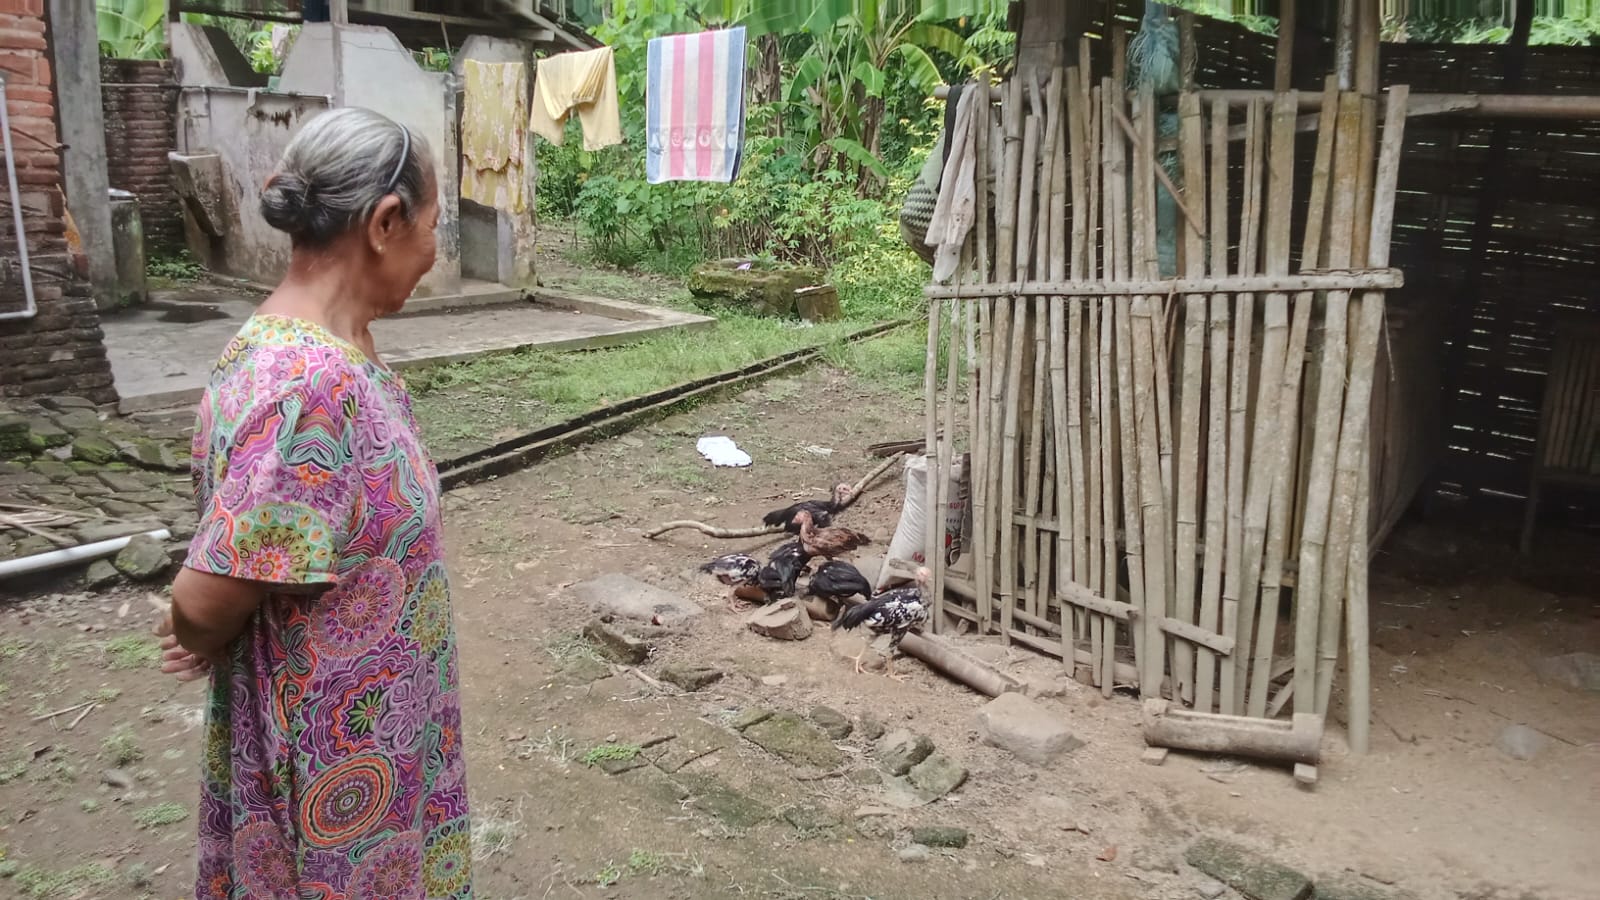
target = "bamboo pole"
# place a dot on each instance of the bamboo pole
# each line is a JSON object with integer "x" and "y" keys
{"x": 930, "y": 448}
{"x": 1283, "y": 504}
{"x": 1026, "y": 197}
{"x": 1045, "y": 112}
{"x": 1239, "y": 415}
{"x": 1034, "y": 471}
{"x": 1008, "y": 474}
{"x": 1217, "y": 458}
{"x": 978, "y": 374}
{"x": 953, "y": 347}
{"x": 1161, "y": 350}
{"x": 1330, "y": 389}
{"x": 1283, "y": 61}
{"x": 999, "y": 370}
{"x": 1056, "y": 108}
{"x": 1006, "y": 199}
{"x": 1146, "y": 414}
{"x": 1106, "y": 446}
{"x": 1268, "y": 420}
{"x": 1351, "y": 474}
{"x": 1122, "y": 259}
{"x": 1028, "y": 210}
{"x": 982, "y": 565}
{"x": 1188, "y": 487}
{"x": 1358, "y": 633}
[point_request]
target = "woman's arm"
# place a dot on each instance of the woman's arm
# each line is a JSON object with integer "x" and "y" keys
{"x": 209, "y": 611}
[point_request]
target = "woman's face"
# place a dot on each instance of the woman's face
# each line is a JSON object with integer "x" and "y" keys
{"x": 409, "y": 250}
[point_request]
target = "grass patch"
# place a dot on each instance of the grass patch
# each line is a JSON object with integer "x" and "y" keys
{"x": 570, "y": 646}
{"x": 121, "y": 748}
{"x": 608, "y": 876}
{"x": 78, "y": 881}
{"x": 646, "y": 862}
{"x": 161, "y": 815}
{"x": 132, "y": 652}
{"x": 493, "y": 835}
{"x": 610, "y": 752}
{"x": 473, "y": 404}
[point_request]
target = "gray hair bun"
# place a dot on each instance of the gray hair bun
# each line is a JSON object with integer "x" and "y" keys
{"x": 337, "y": 169}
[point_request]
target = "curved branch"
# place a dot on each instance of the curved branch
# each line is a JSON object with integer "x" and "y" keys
{"x": 762, "y": 530}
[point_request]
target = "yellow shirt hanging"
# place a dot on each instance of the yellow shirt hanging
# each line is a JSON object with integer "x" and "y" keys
{"x": 493, "y": 134}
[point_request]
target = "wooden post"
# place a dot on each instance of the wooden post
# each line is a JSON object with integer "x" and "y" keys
{"x": 1283, "y": 63}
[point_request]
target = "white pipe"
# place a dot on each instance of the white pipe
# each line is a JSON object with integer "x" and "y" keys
{"x": 30, "y": 308}
{"x": 53, "y": 558}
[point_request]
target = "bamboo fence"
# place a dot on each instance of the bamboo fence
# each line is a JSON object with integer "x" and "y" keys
{"x": 1164, "y": 464}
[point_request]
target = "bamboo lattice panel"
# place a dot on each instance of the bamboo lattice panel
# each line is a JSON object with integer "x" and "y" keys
{"x": 1155, "y": 456}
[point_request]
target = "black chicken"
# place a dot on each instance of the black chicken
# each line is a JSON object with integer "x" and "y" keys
{"x": 822, "y": 511}
{"x": 778, "y": 577}
{"x": 835, "y": 580}
{"x": 894, "y": 612}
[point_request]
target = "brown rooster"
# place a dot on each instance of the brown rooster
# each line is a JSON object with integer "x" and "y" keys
{"x": 827, "y": 542}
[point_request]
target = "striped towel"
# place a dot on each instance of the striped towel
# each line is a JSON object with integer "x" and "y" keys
{"x": 694, "y": 107}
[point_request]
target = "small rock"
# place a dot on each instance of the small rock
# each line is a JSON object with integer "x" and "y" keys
{"x": 937, "y": 776}
{"x": 691, "y": 677}
{"x": 1247, "y": 872}
{"x": 748, "y": 717}
{"x": 792, "y": 739}
{"x": 627, "y": 597}
{"x": 1029, "y": 731}
{"x": 1521, "y": 742}
{"x": 785, "y": 620}
{"x": 832, "y": 722}
{"x": 774, "y": 680}
{"x": 616, "y": 643}
{"x": 94, "y": 449}
{"x": 900, "y": 749}
{"x": 118, "y": 779}
{"x": 1578, "y": 671}
{"x": 915, "y": 853}
{"x": 809, "y": 818}
{"x": 143, "y": 559}
{"x": 93, "y": 532}
{"x": 100, "y": 574}
{"x": 870, "y": 728}
{"x": 1210, "y": 889}
{"x": 717, "y": 799}
{"x": 1046, "y": 686}
{"x": 940, "y": 836}
{"x": 1348, "y": 887}
{"x": 64, "y": 402}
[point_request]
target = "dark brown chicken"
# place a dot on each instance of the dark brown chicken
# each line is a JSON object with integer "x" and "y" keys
{"x": 822, "y": 511}
{"x": 828, "y": 542}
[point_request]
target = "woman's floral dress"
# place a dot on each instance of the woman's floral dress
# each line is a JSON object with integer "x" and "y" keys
{"x": 333, "y": 759}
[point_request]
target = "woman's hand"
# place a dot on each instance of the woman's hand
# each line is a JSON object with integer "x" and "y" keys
{"x": 175, "y": 660}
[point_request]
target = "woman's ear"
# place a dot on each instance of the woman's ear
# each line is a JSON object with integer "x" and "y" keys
{"x": 385, "y": 223}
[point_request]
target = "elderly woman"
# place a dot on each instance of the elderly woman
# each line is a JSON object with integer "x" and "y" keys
{"x": 314, "y": 593}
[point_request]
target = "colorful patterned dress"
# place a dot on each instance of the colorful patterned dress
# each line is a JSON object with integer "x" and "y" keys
{"x": 333, "y": 761}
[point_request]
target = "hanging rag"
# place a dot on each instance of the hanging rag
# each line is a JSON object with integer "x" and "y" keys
{"x": 493, "y": 134}
{"x": 917, "y": 209}
{"x": 694, "y": 107}
{"x": 585, "y": 81}
{"x": 956, "y": 207}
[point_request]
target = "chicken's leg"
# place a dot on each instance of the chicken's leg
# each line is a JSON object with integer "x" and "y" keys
{"x": 858, "y": 660}
{"x": 888, "y": 669}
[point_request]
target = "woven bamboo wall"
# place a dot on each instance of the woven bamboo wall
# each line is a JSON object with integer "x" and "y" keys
{"x": 1542, "y": 261}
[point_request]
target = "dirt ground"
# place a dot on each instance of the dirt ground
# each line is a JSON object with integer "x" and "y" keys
{"x": 101, "y": 805}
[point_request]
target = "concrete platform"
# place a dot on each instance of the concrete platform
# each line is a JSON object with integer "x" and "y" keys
{"x": 162, "y": 355}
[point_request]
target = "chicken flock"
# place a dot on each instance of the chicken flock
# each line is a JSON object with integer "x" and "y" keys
{"x": 895, "y": 612}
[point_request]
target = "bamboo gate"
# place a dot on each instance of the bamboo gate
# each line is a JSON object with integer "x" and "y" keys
{"x": 1154, "y": 460}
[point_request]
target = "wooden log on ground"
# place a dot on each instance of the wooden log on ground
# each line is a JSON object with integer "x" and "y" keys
{"x": 1297, "y": 741}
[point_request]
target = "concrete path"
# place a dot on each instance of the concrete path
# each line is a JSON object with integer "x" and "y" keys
{"x": 160, "y": 361}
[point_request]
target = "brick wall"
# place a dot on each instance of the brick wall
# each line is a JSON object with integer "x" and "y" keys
{"x": 61, "y": 350}
{"x": 140, "y": 99}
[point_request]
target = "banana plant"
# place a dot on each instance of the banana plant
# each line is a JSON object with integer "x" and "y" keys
{"x": 132, "y": 29}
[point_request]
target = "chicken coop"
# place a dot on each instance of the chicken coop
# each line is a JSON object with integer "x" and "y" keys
{"x": 1181, "y": 360}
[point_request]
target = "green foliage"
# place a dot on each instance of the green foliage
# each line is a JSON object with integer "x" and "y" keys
{"x": 181, "y": 267}
{"x": 160, "y": 815}
{"x": 132, "y": 29}
{"x": 609, "y": 752}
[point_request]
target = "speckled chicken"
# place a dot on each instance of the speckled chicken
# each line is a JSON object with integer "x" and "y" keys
{"x": 822, "y": 511}
{"x": 894, "y": 612}
{"x": 828, "y": 543}
{"x": 741, "y": 571}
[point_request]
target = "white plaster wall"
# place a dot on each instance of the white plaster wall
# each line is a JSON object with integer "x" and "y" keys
{"x": 371, "y": 69}
{"x": 249, "y": 131}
